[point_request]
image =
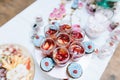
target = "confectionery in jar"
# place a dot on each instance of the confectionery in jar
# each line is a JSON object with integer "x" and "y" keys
{"x": 47, "y": 46}
{"x": 77, "y": 33}
{"x": 51, "y": 30}
{"x": 76, "y": 50}
{"x": 61, "y": 56}
{"x": 63, "y": 39}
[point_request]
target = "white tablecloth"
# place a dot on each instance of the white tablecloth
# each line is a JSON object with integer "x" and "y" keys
{"x": 18, "y": 30}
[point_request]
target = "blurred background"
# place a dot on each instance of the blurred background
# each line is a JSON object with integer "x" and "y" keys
{"x": 10, "y": 8}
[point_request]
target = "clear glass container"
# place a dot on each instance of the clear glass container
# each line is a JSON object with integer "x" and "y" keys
{"x": 51, "y": 31}
{"x": 48, "y": 46}
{"x": 65, "y": 24}
{"x": 63, "y": 39}
{"x": 76, "y": 50}
{"x": 98, "y": 23}
{"x": 77, "y": 35}
{"x": 61, "y": 56}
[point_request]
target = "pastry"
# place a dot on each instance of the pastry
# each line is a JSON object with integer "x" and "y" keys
{"x": 89, "y": 47}
{"x": 74, "y": 70}
{"x": 47, "y": 64}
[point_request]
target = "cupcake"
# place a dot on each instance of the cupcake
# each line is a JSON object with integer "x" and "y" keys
{"x": 47, "y": 64}
{"x": 51, "y": 16}
{"x": 89, "y": 47}
{"x": 74, "y": 70}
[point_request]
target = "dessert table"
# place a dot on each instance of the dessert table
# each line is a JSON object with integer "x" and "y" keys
{"x": 18, "y": 30}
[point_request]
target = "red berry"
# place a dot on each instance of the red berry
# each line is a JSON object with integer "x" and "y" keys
{"x": 46, "y": 64}
{"x": 89, "y": 46}
{"x": 75, "y": 71}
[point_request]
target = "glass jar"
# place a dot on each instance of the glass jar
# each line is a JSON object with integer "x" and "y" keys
{"x": 98, "y": 24}
{"x": 63, "y": 39}
{"x": 76, "y": 50}
{"x": 51, "y": 31}
{"x": 48, "y": 46}
{"x": 61, "y": 56}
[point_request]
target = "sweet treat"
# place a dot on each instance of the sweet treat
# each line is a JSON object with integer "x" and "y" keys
{"x": 63, "y": 39}
{"x": 89, "y": 47}
{"x": 76, "y": 50}
{"x": 61, "y": 56}
{"x": 74, "y": 70}
{"x": 15, "y": 63}
{"x": 52, "y": 16}
{"x": 38, "y": 40}
{"x": 51, "y": 31}
{"x": 58, "y": 14}
{"x": 47, "y": 64}
{"x": 48, "y": 45}
{"x": 62, "y": 10}
{"x": 77, "y": 33}
{"x": 65, "y": 28}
